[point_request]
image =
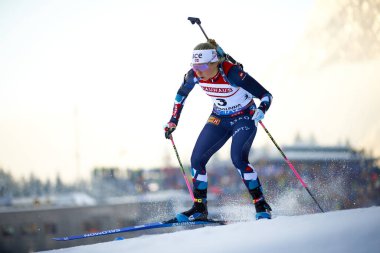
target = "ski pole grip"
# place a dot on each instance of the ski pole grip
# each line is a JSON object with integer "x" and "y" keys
{"x": 198, "y": 22}
{"x": 194, "y": 20}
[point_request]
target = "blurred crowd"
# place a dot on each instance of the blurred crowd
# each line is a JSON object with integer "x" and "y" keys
{"x": 336, "y": 185}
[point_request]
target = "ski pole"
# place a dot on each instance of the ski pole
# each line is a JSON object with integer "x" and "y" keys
{"x": 183, "y": 171}
{"x": 291, "y": 166}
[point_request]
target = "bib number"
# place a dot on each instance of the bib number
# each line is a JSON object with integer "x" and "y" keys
{"x": 222, "y": 102}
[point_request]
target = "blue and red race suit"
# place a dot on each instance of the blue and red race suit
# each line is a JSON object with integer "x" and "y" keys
{"x": 232, "y": 91}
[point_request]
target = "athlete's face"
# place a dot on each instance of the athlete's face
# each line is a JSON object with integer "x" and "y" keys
{"x": 206, "y": 71}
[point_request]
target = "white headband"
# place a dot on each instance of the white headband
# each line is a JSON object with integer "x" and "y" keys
{"x": 204, "y": 56}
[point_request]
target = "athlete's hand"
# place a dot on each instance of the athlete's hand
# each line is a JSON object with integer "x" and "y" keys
{"x": 257, "y": 115}
{"x": 169, "y": 129}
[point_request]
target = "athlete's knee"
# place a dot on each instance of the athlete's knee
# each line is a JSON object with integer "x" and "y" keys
{"x": 197, "y": 161}
{"x": 237, "y": 161}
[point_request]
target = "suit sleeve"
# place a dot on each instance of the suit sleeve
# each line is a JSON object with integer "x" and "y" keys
{"x": 187, "y": 86}
{"x": 239, "y": 77}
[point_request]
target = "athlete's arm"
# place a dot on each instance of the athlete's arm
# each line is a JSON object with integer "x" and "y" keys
{"x": 239, "y": 77}
{"x": 187, "y": 86}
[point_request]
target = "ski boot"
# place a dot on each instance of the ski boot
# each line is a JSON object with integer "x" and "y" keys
{"x": 263, "y": 210}
{"x": 196, "y": 213}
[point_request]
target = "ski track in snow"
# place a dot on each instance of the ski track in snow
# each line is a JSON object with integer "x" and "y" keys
{"x": 348, "y": 231}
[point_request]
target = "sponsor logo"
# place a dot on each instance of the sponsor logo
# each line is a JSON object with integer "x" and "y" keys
{"x": 197, "y": 56}
{"x": 176, "y": 108}
{"x": 217, "y": 90}
{"x": 213, "y": 120}
{"x": 231, "y": 108}
{"x": 185, "y": 223}
{"x": 237, "y": 114}
{"x": 240, "y": 118}
{"x": 102, "y": 233}
{"x": 244, "y": 128}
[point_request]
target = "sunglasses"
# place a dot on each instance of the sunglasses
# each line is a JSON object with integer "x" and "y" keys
{"x": 200, "y": 67}
{"x": 203, "y": 66}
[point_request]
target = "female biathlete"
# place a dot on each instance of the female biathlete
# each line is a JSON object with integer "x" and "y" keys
{"x": 234, "y": 115}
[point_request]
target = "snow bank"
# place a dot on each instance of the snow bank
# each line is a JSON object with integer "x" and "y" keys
{"x": 355, "y": 230}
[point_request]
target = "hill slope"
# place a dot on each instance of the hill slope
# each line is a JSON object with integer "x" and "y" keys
{"x": 355, "y": 230}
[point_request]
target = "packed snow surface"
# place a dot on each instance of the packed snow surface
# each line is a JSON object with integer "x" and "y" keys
{"x": 355, "y": 230}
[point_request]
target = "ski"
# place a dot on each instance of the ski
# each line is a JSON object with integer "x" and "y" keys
{"x": 154, "y": 225}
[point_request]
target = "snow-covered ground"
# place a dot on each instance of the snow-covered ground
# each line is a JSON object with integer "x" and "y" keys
{"x": 348, "y": 231}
